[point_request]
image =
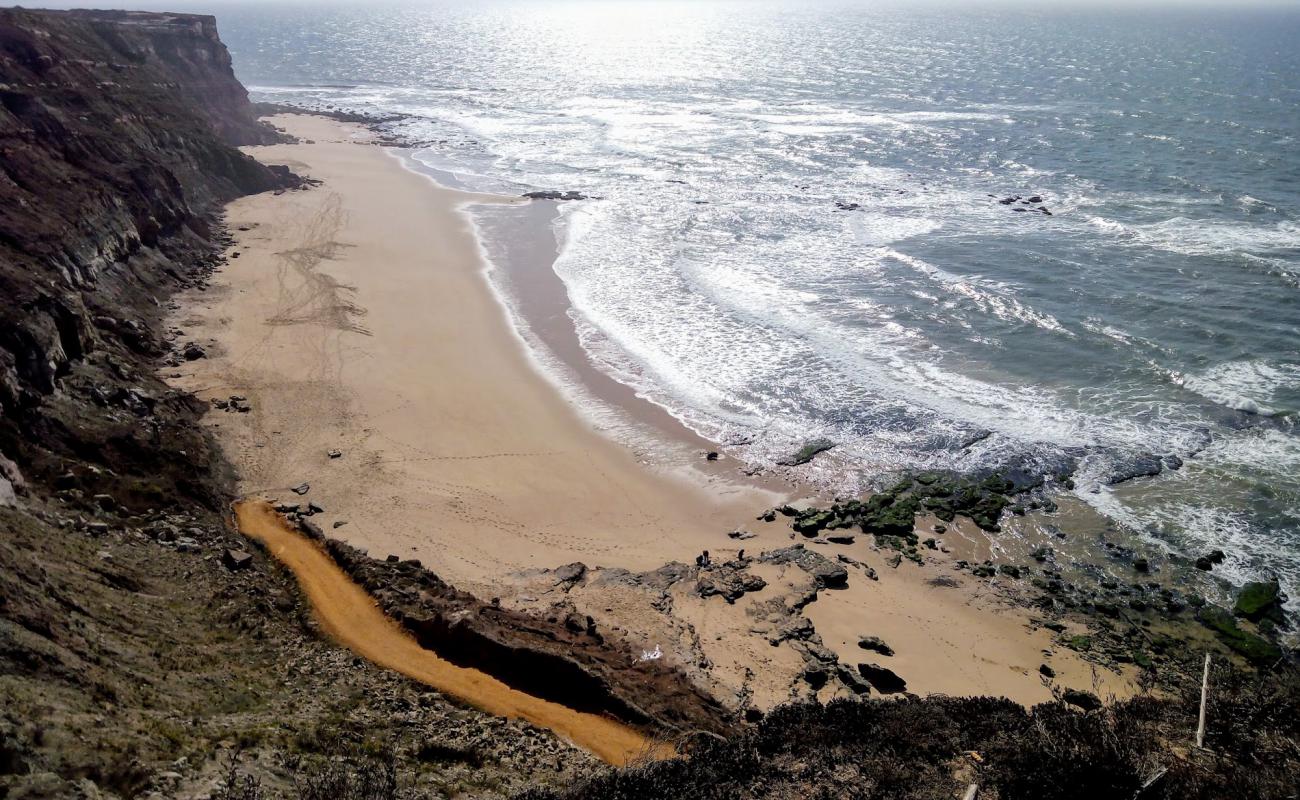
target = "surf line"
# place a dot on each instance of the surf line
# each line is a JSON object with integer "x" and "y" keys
{"x": 351, "y": 617}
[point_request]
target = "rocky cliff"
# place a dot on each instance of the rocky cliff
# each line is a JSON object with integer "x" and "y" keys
{"x": 137, "y": 657}
{"x": 117, "y": 147}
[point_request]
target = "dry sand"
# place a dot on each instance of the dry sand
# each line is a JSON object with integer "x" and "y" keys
{"x": 358, "y": 318}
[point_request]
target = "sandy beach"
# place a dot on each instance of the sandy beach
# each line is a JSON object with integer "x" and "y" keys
{"x": 381, "y": 370}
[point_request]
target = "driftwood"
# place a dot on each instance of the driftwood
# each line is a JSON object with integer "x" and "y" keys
{"x": 1205, "y": 693}
{"x": 1152, "y": 781}
{"x": 972, "y": 792}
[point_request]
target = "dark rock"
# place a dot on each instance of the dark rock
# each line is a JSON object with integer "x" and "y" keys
{"x": 807, "y": 453}
{"x": 883, "y": 680}
{"x": 1258, "y": 598}
{"x": 301, "y": 489}
{"x": 815, "y": 675}
{"x": 841, "y": 538}
{"x": 731, "y": 584}
{"x": 335, "y": 454}
{"x": 742, "y": 535}
{"x": 570, "y": 573}
{"x": 235, "y": 560}
{"x": 552, "y": 194}
{"x": 193, "y": 352}
{"x": 827, "y": 573}
{"x": 875, "y": 644}
{"x": 1141, "y": 564}
{"x": 1081, "y": 699}
{"x": 712, "y": 455}
{"x": 852, "y": 680}
{"x": 800, "y": 629}
{"x": 1046, "y": 671}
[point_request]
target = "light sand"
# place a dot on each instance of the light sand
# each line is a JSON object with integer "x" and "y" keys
{"x": 351, "y": 617}
{"x": 358, "y": 318}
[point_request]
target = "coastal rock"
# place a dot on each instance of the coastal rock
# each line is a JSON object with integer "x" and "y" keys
{"x": 1259, "y": 599}
{"x": 729, "y": 581}
{"x": 826, "y": 573}
{"x": 552, "y": 194}
{"x": 1208, "y": 561}
{"x": 852, "y": 680}
{"x": 875, "y": 644}
{"x": 570, "y": 574}
{"x": 1081, "y": 699}
{"x": 882, "y": 679}
{"x": 807, "y": 453}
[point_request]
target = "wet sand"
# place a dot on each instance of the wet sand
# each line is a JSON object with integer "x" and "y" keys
{"x": 349, "y": 615}
{"x": 358, "y": 318}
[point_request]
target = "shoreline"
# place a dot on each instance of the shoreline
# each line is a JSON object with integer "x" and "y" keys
{"x": 454, "y": 449}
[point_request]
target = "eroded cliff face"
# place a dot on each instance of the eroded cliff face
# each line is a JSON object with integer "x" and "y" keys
{"x": 117, "y": 147}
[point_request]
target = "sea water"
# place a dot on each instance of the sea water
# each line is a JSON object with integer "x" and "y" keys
{"x": 797, "y": 227}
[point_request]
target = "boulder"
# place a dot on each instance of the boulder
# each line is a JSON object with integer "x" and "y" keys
{"x": 882, "y": 679}
{"x": 1258, "y": 599}
{"x": 852, "y": 680}
{"x": 1081, "y": 699}
{"x": 876, "y": 645}
{"x": 570, "y": 574}
{"x": 1208, "y": 561}
{"x": 807, "y": 453}
{"x": 236, "y": 560}
{"x": 193, "y": 352}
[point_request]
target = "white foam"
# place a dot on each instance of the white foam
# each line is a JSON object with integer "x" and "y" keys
{"x": 1250, "y": 386}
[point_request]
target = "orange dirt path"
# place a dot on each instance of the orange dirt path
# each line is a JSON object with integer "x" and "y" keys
{"x": 351, "y": 617}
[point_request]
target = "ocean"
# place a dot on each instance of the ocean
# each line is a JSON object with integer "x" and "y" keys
{"x": 971, "y": 238}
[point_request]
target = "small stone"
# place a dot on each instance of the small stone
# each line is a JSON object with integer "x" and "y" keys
{"x": 236, "y": 560}
{"x": 301, "y": 488}
{"x": 335, "y": 454}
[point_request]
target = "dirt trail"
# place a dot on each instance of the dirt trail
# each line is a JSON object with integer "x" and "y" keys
{"x": 350, "y": 616}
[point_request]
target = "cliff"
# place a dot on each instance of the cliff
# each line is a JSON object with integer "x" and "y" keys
{"x": 117, "y": 147}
